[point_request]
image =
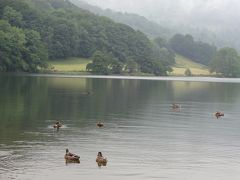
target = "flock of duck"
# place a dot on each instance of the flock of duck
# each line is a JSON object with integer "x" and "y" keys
{"x": 100, "y": 159}
{"x": 73, "y": 158}
{"x": 217, "y": 114}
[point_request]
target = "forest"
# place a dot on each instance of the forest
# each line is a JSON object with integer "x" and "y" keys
{"x": 33, "y": 31}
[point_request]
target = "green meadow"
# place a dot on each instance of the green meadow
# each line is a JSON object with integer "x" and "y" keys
{"x": 182, "y": 63}
{"x": 69, "y": 65}
{"x": 75, "y": 65}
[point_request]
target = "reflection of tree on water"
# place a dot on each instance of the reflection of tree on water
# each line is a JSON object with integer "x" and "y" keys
{"x": 22, "y": 103}
{"x": 204, "y": 91}
{"x": 28, "y": 102}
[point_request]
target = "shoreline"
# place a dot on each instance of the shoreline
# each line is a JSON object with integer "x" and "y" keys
{"x": 127, "y": 77}
{"x": 154, "y": 78}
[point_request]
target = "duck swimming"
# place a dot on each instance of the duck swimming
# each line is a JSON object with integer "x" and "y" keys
{"x": 176, "y": 106}
{"x": 57, "y": 125}
{"x": 101, "y": 161}
{"x": 71, "y": 158}
{"x": 99, "y": 124}
{"x": 219, "y": 114}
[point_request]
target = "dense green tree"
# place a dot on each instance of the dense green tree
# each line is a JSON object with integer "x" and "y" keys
{"x": 12, "y": 44}
{"x": 162, "y": 43}
{"x": 21, "y": 50}
{"x": 164, "y": 52}
{"x": 100, "y": 63}
{"x": 226, "y": 62}
{"x": 198, "y": 51}
{"x": 116, "y": 66}
{"x": 158, "y": 69}
{"x": 35, "y": 53}
{"x": 155, "y": 67}
{"x": 167, "y": 56}
{"x": 188, "y": 72}
{"x": 12, "y": 16}
{"x": 131, "y": 66}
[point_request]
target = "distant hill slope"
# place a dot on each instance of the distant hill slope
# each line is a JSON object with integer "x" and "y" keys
{"x": 183, "y": 63}
{"x": 151, "y": 29}
{"x": 208, "y": 26}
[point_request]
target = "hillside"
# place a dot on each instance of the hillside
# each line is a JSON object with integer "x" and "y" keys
{"x": 151, "y": 29}
{"x": 205, "y": 21}
{"x": 58, "y": 29}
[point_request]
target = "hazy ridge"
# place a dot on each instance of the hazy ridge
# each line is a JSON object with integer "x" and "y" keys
{"x": 215, "y": 22}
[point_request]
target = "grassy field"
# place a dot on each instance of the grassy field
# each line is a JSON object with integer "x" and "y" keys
{"x": 78, "y": 65}
{"x": 183, "y": 63}
{"x": 69, "y": 65}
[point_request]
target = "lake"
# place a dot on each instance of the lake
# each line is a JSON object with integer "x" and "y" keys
{"x": 142, "y": 137}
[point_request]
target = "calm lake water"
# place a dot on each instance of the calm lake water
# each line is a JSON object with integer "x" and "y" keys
{"x": 142, "y": 137}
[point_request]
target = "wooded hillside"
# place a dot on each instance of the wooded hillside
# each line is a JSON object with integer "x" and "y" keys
{"x": 34, "y": 30}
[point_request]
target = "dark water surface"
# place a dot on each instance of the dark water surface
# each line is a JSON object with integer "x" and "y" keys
{"x": 142, "y": 137}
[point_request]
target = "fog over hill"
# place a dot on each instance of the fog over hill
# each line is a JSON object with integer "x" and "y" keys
{"x": 178, "y": 11}
{"x": 138, "y": 22}
{"x": 214, "y": 21}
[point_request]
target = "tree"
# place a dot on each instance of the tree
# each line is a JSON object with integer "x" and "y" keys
{"x": 12, "y": 44}
{"x": 12, "y": 16}
{"x": 167, "y": 56}
{"x": 116, "y": 66}
{"x": 158, "y": 69}
{"x": 196, "y": 50}
{"x": 188, "y": 72}
{"x": 35, "y": 53}
{"x": 162, "y": 43}
{"x": 21, "y": 50}
{"x": 226, "y": 62}
{"x": 99, "y": 63}
{"x": 131, "y": 66}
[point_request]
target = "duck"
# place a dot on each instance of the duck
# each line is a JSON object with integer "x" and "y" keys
{"x": 101, "y": 160}
{"x": 71, "y": 158}
{"x": 57, "y": 125}
{"x": 176, "y": 106}
{"x": 218, "y": 114}
{"x": 99, "y": 124}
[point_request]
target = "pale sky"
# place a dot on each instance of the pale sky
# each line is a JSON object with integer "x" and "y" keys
{"x": 149, "y": 5}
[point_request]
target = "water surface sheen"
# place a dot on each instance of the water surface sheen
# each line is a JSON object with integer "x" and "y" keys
{"x": 142, "y": 137}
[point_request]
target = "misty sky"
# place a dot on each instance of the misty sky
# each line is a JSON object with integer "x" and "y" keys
{"x": 210, "y": 10}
